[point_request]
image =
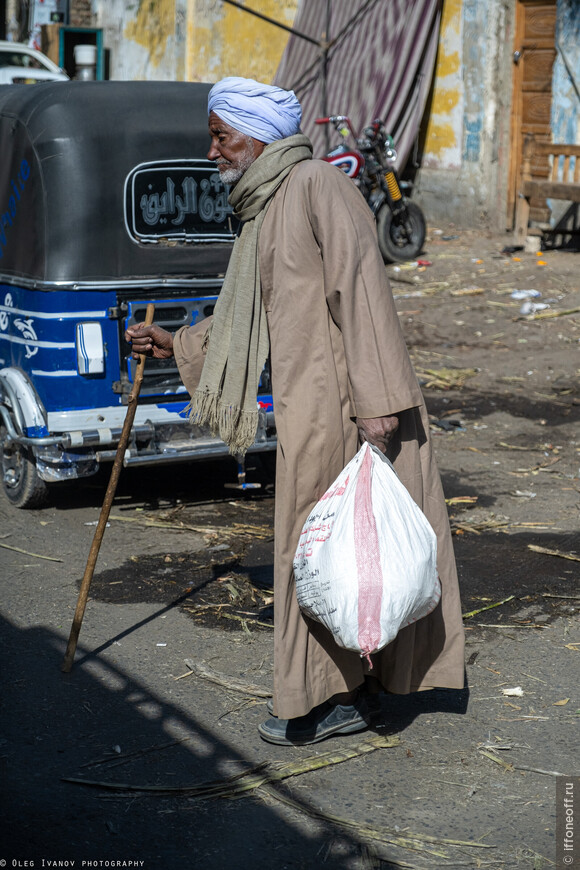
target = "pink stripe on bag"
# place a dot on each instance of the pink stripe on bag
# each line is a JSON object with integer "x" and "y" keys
{"x": 368, "y": 562}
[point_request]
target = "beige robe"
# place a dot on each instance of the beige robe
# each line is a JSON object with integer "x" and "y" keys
{"x": 337, "y": 352}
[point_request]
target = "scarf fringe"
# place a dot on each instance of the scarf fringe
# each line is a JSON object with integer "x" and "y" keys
{"x": 235, "y": 426}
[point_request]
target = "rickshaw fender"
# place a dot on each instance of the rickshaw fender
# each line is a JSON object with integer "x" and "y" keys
{"x": 26, "y": 410}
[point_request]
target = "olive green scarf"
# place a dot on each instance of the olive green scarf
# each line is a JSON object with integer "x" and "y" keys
{"x": 226, "y": 398}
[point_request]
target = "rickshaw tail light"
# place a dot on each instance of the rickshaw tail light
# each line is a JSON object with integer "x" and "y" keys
{"x": 90, "y": 349}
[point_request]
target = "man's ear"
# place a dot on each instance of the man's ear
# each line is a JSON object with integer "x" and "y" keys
{"x": 258, "y": 147}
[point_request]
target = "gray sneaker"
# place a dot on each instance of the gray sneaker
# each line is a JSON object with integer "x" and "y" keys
{"x": 323, "y": 721}
{"x": 373, "y": 704}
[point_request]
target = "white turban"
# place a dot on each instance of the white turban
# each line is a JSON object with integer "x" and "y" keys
{"x": 264, "y": 112}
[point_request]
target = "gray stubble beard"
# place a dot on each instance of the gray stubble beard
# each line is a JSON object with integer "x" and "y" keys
{"x": 232, "y": 174}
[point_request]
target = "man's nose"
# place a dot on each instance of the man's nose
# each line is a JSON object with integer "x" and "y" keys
{"x": 213, "y": 152}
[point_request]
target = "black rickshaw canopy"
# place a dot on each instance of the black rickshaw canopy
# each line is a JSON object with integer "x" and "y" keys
{"x": 108, "y": 181}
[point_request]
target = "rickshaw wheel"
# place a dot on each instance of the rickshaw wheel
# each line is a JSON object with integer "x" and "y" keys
{"x": 22, "y": 485}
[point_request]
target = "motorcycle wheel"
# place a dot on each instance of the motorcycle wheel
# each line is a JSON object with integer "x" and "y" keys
{"x": 401, "y": 238}
{"x": 22, "y": 485}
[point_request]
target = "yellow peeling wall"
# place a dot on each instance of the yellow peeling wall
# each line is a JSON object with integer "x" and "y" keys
{"x": 445, "y": 124}
{"x": 153, "y": 28}
{"x": 223, "y": 40}
{"x": 465, "y": 154}
{"x": 193, "y": 40}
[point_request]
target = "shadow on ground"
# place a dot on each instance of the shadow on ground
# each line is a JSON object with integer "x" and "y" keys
{"x": 474, "y": 405}
{"x": 98, "y": 725}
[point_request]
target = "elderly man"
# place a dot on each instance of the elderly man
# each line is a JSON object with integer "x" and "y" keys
{"x": 307, "y": 284}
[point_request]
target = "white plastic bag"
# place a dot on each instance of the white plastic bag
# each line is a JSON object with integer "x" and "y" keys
{"x": 366, "y": 563}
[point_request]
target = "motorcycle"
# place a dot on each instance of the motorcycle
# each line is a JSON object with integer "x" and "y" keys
{"x": 371, "y": 165}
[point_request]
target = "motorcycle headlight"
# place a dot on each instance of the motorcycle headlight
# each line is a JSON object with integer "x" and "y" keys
{"x": 390, "y": 154}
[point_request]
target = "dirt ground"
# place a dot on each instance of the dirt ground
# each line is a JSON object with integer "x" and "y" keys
{"x": 109, "y": 765}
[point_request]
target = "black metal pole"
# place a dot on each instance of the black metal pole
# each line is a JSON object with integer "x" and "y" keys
{"x": 272, "y": 21}
{"x": 324, "y": 44}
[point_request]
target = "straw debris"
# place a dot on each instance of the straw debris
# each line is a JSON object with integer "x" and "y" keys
{"x": 261, "y": 778}
{"x": 445, "y": 378}
{"x": 237, "y": 529}
{"x": 207, "y": 673}
{"x": 411, "y": 842}
{"x": 544, "y": 315}
{"x": 487, "y": 607}
{"x": 28, "y": 553}
{"x": 572, "y": 556}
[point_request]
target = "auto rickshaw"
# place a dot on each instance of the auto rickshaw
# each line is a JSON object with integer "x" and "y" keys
{"x": 107, "y": 203}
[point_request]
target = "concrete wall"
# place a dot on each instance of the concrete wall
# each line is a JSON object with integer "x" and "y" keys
{"x": 192, "y": 40}
{"x": 226, "y": 41}
{"x": 145, "y": 39}
{"x": 465, "y": 155}
{"x": 465, "y": 151}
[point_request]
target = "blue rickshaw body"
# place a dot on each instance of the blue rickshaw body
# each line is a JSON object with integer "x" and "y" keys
{"x": 41, "y": 342}
{"x": 107, "y": 203}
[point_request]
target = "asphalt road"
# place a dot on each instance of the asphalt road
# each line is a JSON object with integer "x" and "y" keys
{"x": 102, "y": 767}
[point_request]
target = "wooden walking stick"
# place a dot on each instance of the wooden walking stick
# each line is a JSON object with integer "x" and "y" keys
{"x": 106, "y": 508}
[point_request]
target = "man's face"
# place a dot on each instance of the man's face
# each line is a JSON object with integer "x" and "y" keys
{"x": 234, "y": 152}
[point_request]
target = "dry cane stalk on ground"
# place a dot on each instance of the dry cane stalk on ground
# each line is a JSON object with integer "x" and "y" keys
{"x": 207, "y": 673}
{"x": 572, "y": 556}
{"x": 254, "y": 778}
{"x": 265, "y": 775}
{"x": 27, "y": 553}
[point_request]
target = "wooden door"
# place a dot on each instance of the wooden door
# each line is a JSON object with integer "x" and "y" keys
{"x": 534, "y": 54}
